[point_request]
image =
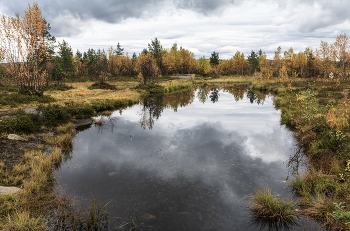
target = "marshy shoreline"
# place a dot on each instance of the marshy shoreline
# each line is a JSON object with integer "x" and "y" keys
{"x": 305, "y": 104}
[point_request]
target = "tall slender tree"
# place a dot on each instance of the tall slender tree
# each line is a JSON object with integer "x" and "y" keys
{"x": 156, "y": 49}
{"x": 253, "y": 60}
{"x": 25, "y": 48}
{"x": 65, "y": 57}
{"x": 341, "y": 51}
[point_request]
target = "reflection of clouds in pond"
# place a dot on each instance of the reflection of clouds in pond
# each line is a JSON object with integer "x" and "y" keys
{"x": 205, "y": 155}
{"x": 207, "y": 151}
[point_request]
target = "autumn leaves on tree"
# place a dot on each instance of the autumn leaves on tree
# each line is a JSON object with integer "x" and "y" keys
{"x": 29, "y": 59}
{"x": 25, "y": 49}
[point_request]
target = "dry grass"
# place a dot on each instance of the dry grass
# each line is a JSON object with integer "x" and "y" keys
{"x": 62, "y": 138}
{"x": 81, "y": 93}
{"x": 23, "y": 221}
{"x": 34, "y": 172}
{"x": 229, "y": 79}
{"x": 321, "y": 210}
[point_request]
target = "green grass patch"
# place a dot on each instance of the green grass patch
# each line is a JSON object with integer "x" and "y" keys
{"x": 15, "y": 99}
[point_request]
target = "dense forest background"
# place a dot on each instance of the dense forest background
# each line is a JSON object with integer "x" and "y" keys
{"x": 32, "y": 58}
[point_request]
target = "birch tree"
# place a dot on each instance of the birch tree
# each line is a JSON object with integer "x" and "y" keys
{"x": 25, "y": 48}
{"x": 341, "y": 50}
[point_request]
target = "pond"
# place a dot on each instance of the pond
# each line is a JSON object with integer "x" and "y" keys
{"x": 187, "y": 161}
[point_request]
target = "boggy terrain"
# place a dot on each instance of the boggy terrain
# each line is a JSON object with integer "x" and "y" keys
{"x": 317, "y": 110}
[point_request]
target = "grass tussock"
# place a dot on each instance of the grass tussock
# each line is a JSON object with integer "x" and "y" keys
{"x": 24, "y": 221}
{"x": 269, "y": 211}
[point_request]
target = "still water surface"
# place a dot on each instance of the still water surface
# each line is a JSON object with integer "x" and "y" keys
{"x": 183, "y": 162}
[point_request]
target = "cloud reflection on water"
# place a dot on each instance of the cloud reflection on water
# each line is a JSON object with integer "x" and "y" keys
{"x": 203, "y": 160}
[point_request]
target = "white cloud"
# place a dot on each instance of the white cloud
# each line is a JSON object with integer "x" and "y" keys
{"x": 200, "y": 26}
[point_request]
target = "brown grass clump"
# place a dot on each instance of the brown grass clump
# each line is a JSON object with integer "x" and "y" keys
{"x": 269, "y": 211}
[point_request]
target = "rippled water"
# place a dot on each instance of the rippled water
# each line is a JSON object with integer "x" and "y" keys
{"x": 183, "y": 162}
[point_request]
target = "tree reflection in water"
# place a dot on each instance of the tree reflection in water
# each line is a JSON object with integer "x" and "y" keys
{"x": 194, "y": 171}
{"x": 151, "y": 111}
{"x": 214, "y": 95}
{"x": 152, "y": 107}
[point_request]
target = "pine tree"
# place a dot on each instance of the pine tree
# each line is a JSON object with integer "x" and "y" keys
{"x": 119, "y": 50}
{"x": 214, "y": 59}
{"x": 65, "y": 58}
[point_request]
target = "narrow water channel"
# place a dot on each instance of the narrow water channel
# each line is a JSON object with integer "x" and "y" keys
{"x": 188, "y": 161}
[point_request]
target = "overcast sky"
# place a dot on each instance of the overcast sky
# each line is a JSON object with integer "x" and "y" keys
{"x": 200, "y": 26}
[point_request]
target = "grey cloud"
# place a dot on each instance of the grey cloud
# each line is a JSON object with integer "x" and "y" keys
{"x": 203, "y": 6}
{"x": 63, "y": 14}
{"x": 311, "y": 15}
{"x": 110, "y": 11}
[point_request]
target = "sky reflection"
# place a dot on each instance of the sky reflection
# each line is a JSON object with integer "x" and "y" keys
{"x": 195, "y": 168}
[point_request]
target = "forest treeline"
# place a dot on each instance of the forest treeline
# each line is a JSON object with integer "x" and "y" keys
{"x": 29, "y": 58}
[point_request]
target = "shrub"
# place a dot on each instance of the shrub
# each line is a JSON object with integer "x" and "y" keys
{"x": 54, "y": 114}
{"x": 104, "y": 85}
{"x": 340, "y": 214}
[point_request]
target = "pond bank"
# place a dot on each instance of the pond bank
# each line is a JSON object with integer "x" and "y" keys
{"x": 48, "y": 134}
{"x": 317, "y": 111}
{"x": 327, "y": 149}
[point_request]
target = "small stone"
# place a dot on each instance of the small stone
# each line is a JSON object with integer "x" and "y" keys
{"x": 31, "y": 111}
{"x": 82, "y": 122}
{"x": 9, "y": 190}
{"x": 15, "y": 137}
{"x": 112, "y": 173}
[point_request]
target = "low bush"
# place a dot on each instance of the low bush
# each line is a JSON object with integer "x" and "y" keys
{"x": 105, "y": 86}
{"x": 53, "y": 115}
